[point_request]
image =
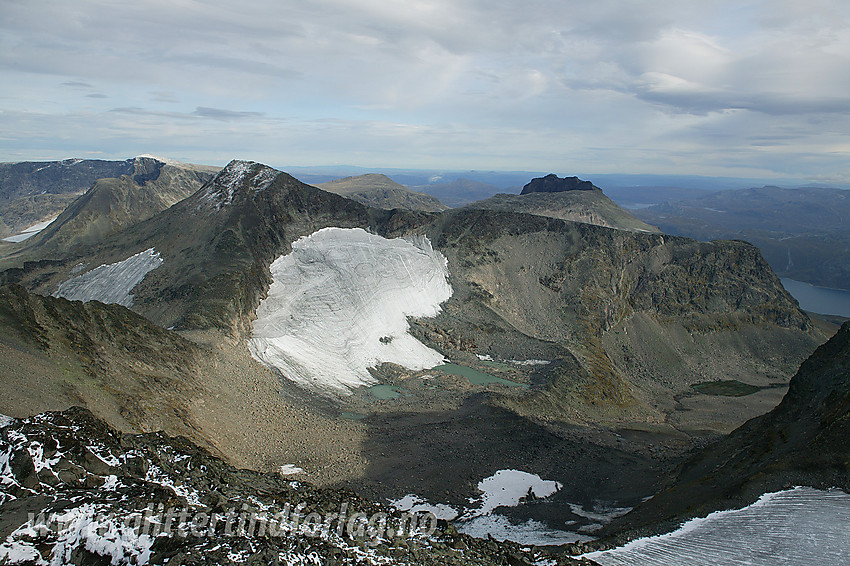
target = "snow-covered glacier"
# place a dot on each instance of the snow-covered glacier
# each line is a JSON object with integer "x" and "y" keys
{"x": 339, "y": 303}
{"x": 800, "y": 526}
{"x": 111, "y": 283}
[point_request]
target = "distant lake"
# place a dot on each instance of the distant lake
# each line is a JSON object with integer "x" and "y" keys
{"x": 819, "y": 299}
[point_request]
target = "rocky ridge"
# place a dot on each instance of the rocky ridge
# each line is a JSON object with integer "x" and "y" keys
{"x": 625, "y": 311}
{"x": 113, "y": 204}
{"x": 29, "y": 178}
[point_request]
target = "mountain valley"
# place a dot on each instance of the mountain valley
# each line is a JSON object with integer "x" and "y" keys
{"x": 557, "y": 335}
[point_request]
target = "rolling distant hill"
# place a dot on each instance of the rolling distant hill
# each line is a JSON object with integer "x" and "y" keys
{"x": 380, "y": 191}
{"x": 461, "y": 191}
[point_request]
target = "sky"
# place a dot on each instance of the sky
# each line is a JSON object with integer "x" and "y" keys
{"x": 711, "y": 87}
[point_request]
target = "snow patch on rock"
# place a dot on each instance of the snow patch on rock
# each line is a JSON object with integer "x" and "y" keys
{"x": 226, "y": 184}
{"x": 111, "y": 283}
{"x": 290, "y": 470}
{"x": 339, "y": 304}
{"x": 508, "y": 487}
{"x": 415, "y": 504}
{"x": 530, "y": 532}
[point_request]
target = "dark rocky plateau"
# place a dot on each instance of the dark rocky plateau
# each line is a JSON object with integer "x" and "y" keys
{"x": 551, "y": 183}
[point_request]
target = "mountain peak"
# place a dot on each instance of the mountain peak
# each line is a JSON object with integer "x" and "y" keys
{"x": 238, "y": 176}
{"x": 551, "y": 183}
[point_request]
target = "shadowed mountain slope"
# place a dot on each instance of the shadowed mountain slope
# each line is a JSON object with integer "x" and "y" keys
{"x": 803, "y": 441}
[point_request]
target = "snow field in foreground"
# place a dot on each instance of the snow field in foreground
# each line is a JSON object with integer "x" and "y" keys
{"x": 339, "y": 303}
{"x": 507, "y": 487}
{"x": 800, "y": 526}
{"x": 504, "y": 488}
{"x": 111, "y": 283}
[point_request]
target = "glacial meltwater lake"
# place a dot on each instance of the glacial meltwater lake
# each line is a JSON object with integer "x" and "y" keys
{"x": 821, "y": 300}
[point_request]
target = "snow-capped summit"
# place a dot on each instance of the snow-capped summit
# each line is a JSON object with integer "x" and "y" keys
{"x": 238, "y": 175}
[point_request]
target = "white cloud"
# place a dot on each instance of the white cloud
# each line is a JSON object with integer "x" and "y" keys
{"x": 616, "y": 85}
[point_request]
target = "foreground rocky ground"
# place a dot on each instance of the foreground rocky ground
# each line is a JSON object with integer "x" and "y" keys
{"x": 74, "y": 491}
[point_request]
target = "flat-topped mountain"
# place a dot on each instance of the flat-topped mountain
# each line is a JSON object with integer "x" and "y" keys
{"x": 568, "y": 199}
{"x": 551, "y": 183}
{"x": 380, "y": 191}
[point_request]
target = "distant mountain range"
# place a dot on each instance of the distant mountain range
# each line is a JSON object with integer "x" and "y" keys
{"x": 34, "y": 192}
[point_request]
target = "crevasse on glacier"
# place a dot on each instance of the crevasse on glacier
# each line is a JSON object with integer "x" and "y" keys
{"x": 339, "y": 303}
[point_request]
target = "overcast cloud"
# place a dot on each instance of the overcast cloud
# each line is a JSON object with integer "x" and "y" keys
{"x": 737, "y": 88}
